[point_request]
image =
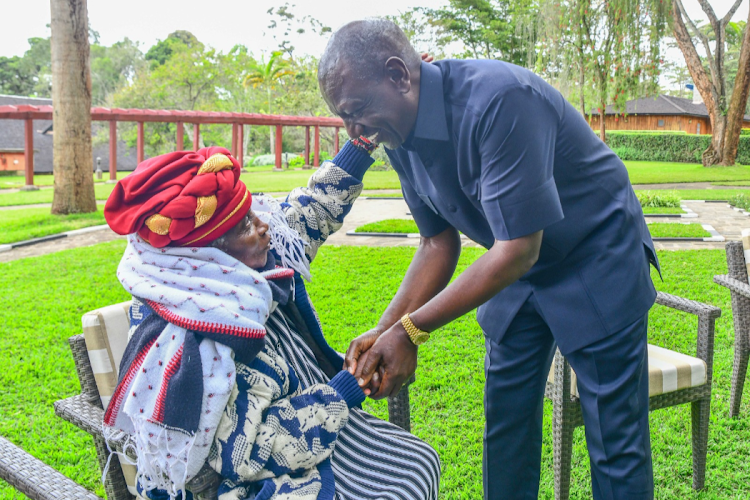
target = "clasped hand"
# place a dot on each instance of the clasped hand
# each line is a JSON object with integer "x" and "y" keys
{"x": 382, "y": 361}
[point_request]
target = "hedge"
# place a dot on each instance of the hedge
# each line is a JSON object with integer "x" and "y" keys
{"x": 674, "y": 147}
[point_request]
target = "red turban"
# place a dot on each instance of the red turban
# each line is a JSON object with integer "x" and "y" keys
{"x": 180, "y": 199}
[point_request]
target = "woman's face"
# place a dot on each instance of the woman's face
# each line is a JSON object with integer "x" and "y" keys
{"x": 249, "y": 242}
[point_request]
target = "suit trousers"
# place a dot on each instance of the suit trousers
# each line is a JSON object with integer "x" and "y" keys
{"x": 613, "y": 387}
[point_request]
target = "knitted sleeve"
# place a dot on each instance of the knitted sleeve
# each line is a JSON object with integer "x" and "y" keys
{"x": 318, "y": 210}
{"x": 270, "y": 428}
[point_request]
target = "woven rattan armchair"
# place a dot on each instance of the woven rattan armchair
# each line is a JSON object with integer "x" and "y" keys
{"x": 39, "y": 481}
{"x": 736, "y": 281}
{"x": 567, "y": 408}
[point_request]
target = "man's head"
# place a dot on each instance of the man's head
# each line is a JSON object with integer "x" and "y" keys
{"x": 369, "y": 76}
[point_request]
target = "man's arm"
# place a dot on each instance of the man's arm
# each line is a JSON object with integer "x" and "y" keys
{"x": 429, "y": 272}
{"x": 393, "y": 353}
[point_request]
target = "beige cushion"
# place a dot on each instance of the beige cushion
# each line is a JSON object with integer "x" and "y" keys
{"x": 106, "y": 334}
{"x": 746, "y": 248}
{"x": 668, "y": 371}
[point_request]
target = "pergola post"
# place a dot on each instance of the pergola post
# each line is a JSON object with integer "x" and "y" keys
{"x": 241, "y": 144}
{"x": 307, "y": 147}
{"x": 139, "y": 143}
{"x": 196, "y": 136}
{"x": 112, "y": 152}
{"x": 336, "y": 141}
{"x": 234, "y": 140}
{"x": 180, "y": 136}
{"x": 28, "y": 155}
{"x": 316, "y": 157}
{"x": 278, "y": 147}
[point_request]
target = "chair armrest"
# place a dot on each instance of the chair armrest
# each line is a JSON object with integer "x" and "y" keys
{"x": 707, "y": 315}
{"x": 687, "y": 305}
{"x": 36, "y": 479}
{"x": 80, "y": 412}
{"x": 734, "y": 285}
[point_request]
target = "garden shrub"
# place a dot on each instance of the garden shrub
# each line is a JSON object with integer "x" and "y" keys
{"x": 659, "y": 198}
{"x": 297, "y": 162}
{"x": 740, "y": 201}
{"x": 667, "y": 147}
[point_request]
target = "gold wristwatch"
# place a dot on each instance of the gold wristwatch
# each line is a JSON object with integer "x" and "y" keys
{"x": 417, "y": 336}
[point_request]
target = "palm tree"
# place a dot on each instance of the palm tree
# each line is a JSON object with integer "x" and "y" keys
{"x": 267, "y": 74}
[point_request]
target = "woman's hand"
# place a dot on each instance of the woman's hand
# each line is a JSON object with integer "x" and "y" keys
{"x": 358, "y": 347}
{"x": 426, "y": 57}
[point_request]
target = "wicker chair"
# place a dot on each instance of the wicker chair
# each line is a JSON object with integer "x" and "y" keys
{"x": 737, "y": 283}
{"x": 567, "y": 408}
{"x": 39, "y": 481}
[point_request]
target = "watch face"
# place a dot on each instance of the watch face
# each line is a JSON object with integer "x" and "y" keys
{"x": 421, "y": 338}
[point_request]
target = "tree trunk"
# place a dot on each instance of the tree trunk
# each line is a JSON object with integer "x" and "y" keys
{"x": 583, "y": 79}
{"x": 271, "y": 135}
{"x": 71, "y": 99}
{"x": 602, "y": 131}
{"x": 736, "y": 111}
{"x": 708, "y": 90}
{"x": 713, "y": 154}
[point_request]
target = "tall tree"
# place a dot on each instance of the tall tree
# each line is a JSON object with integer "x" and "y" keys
{"x": 725, "y": 109}
{"x": 267, "y": 75}
{"x": 489, "y": 29}
{"x": 613, "y": 45}
{"x": 71, "y": 97}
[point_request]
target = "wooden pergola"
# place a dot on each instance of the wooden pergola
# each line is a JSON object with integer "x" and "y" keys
{"x": 29, "y": 113}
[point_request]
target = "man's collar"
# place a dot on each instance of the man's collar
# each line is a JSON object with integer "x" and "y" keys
{"x": 431, "y": 121}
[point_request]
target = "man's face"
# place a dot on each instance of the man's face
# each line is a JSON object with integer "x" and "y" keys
{"x": 380, "y": 109}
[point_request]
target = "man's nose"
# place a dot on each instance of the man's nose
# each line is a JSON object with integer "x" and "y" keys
{"x": 353, "y": 129}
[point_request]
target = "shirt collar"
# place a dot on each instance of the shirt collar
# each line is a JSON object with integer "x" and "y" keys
{"x": 431, "y": 122}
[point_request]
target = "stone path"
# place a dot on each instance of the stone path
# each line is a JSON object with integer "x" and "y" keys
{"x": 728, "y": 222}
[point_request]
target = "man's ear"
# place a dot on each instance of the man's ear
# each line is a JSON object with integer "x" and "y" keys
{"x": 398, "y": 74}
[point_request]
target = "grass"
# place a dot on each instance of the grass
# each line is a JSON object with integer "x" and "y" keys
{"x": 384, "y": 195}
{"x": 704, "y": 194}
{"x": 733, "y": 183}
{"x": 446, "y": 400}
{"x": 677, "y": 230}
{"x": 260, "y": 180}
{"x": 17, "y": 181}
{"x": 655, "y": 172}
{"x": 389, "y": 226}
{"x": 19, "y": 225}
{"x": 662, "y": 210}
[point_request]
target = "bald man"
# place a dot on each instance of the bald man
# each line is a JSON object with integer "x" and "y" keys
{"x": 490, "y": 149}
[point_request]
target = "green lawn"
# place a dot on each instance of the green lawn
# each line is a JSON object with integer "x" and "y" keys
{"x": 384, "y": 195}
{"x": 261, "y": 180}
{"x": 677, "y": 230}
{"x": 389, "y": 226}
{"x": 662, "y": 210}
{"x": 706, "y": 194}
{"x": 19, "y": 225}
{"x": 446, "y": 399}
{"x": 17, "y": 181}
{"x": 654, "y": 172}
{"x": 732, "y": 183}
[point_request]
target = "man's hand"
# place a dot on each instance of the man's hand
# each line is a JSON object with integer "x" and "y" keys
{"x": 393, "y": 356}
{"x": 427, "y": 57}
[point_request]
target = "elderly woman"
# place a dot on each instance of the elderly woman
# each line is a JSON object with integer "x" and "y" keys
{"x": 227, "y": 374}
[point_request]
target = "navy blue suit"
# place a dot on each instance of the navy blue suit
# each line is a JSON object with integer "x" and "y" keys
{"x": 498, "y": 153}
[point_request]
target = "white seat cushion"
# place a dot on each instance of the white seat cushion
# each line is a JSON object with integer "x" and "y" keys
{"x": 668, "y": 371}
